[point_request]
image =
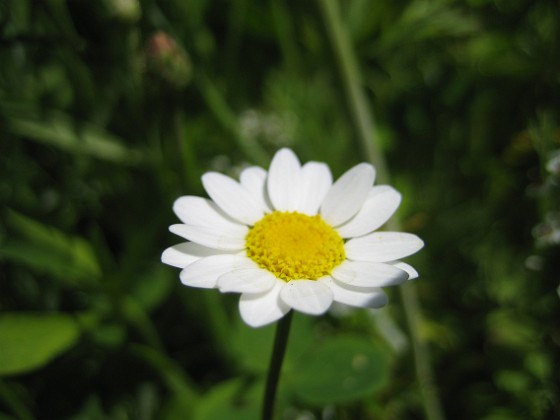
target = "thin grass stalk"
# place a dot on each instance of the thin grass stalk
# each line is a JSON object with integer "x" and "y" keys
{"x": 364, "y": 125}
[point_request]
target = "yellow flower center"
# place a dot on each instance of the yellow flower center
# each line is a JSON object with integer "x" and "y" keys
{"x": 295, "y": 246}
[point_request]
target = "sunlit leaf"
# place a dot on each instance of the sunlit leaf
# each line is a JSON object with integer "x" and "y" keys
{"x": 29, "y": 341}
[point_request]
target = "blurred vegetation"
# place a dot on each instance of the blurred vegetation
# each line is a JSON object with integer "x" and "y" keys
{"x": 111, "y": 109}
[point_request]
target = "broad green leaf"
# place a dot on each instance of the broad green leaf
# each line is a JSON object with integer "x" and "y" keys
{"x": 49, "y": 250}
{"x": 30, "y": 340}
{"x": 340, "y": 369}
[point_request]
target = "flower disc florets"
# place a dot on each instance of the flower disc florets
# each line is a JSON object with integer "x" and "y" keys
{"x": 295, "y": 246}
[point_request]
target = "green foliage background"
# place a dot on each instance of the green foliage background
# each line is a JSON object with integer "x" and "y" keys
{"x": 111, "y": 109}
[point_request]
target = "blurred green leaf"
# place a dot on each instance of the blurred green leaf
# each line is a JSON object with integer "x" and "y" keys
{"x": 60, "y": 131}
{"x": 539, "y": 364}
{"x": 58, "y": 12}
{"x": 510, "y": 329}
{"x": 109, "y": 336}
{"x": 136, "y": 315}
{"x": 494, "y": 53}
{"x": 153, "y": 286}
{"x": 515, "y": 382}
{"x": 49, "y": 250}
{"x": 11, "y": 397}
{"x": 340, "y": 369}
{"x": 29, "y": 341}
{"x": 422, "y": 20}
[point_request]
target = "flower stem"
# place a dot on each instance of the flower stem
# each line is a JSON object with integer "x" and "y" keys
{"x": 424, "y": 372}
{"x": 365, "y": 128}
{"x": 280, "y": 342}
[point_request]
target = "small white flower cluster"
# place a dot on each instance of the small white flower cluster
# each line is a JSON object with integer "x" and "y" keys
{"x": 273, "y": 128}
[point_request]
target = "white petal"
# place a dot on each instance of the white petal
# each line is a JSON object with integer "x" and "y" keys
{"x": 205, "y": 272}
{"x": 381, "y": 203}
{"x": 253, "y": 179}
{"x": 212, "y": 237}
{"x": 354, "y": 296}
{"x": 348, "y": 194}
{"x": 383, "y": 246}
{"x": 369, "y": 274}
{"x": 411, "y": 271}
{"x": 284, "y": 180}
{"x": 198, "y": 211}
{"x": 315, "y": 184}
{"x": 263, "y": 308}
{"x": 186, "y": 253}
{"x": 307, "y": 296}
{"x": 247, "y": 280}
{"x": 232, "y": 198}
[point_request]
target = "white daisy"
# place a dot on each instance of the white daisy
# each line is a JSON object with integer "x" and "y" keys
{"x": 292, "y": 239}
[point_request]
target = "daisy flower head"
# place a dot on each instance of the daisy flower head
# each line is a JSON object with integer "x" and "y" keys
{"x": 290, "y": 238}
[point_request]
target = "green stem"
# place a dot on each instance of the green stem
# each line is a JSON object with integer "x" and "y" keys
{"x": 362, "y": 117}
{"x": 280, "y": 342}
{"x": 424, "y": 372}
{"x": 360, "y": 112}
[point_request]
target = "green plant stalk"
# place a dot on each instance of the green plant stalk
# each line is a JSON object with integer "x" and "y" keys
{"x": 360, "y": 112}
{"x": 278, "y": 351}
{"x": 362, "y": 117}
